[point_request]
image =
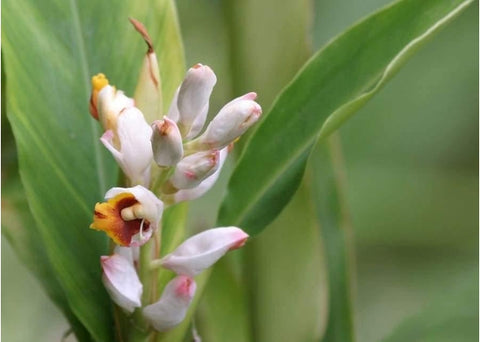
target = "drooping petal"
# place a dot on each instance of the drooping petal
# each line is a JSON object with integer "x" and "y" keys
{"x": 129, "y": 216}
{"x": 130, "y": 253}
{"x": 166, "y": 142}
{"x": 193, "y": 169}
{"x": 204, "y": 186}
{"x": 230, "y": 123}
{"x": 203, "y": 250}
{"x": 121, "y": 281}
{"x": 172, "y": 307}
{"x": 134, "y": 151}
{"x": 193, "y": 97}
{"x": 148, "y": 93}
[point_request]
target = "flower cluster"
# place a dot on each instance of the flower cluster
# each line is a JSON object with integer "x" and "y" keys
{"x": 165, "y": 162}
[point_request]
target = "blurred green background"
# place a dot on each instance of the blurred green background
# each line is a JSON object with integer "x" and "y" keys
{"x": 412, "y": 168}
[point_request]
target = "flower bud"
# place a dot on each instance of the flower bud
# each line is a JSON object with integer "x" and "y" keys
{"x": 166, "y": 142}
{"x": 131, "y": 146}
{"x": 230, "y": 123}
{"x": 203, "y": 250}
{"x": 193, "y": 169}
{"x": 148, "y": 93}
{"x": 193, "y": 97}
{"x": 172, "y": 307}
{"x": 121, "y": 281}
{"x": 204, "y": 186}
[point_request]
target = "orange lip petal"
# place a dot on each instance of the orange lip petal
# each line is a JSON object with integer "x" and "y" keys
{"x": 107, "y": 217}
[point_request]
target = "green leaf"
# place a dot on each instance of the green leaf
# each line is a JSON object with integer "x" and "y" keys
{"x": 328, "y": 188}
{"x": 18, "y": 226}
{"x": 336, "y": 82}
{"x": 51, "y": 49}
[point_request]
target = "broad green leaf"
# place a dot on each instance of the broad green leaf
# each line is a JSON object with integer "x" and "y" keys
{"x": 286, "y": 273}
{"x": 18, "y": 226}
{"x": 50, "y": 51}
{"x": 329, "y": 193}
{"x": 336, "y": 82}
{"x": 451, "y": 316}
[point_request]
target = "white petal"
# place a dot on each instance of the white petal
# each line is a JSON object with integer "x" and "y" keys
{"x": 129, "y": 253}
{"x": 134, "y": 135}
{"x": 166, "y": 142}
{"x": 203, "y": 250}
{"x": 231, "y": 122}
{"x": 173, "y": 110}
{"x": 204, "y": 186}
{"x": 194, "y": 94}
{"x": 195, "y": 168}
{"x": 152, "y": 207}
{"x": 109, "y": 104}
{"x": 121, "y": 281}
{"x": 172, "y": 307}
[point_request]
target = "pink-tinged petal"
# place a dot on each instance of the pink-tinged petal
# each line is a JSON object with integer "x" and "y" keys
{"x": 172, "y": 307}
{"x": 194, "y": 95}
{"x": 130, "y": 253}
{"x": 166, "y": 142}
{"x": 121, "y": 281}
{"x": 203, "y": 250}
{"x": 230, "y": 123}
{"x": 195, "y": 168}
{"x": 205, "y": 185}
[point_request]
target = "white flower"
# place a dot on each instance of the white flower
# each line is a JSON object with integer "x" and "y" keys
{"x": 230, "y": 123}
{"x": 166, "y": 142}
{"x": 193, "y": 169}
{"x": 129, "y": 216}
{"x": 190, "y": 104}
{"x": 133, "y": 150}
{"x": 191, "y": 194}
{"x": 121, "y": 281}
{"x": 203, "y": 250}
{"x": 172, "y": 307}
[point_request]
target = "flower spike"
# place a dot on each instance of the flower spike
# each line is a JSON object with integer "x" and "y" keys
{"x": 121, "y": 281}
{"x": 203, "y": 250}
{"x": 129, "y": 216}
{"x": 172, "y": 307}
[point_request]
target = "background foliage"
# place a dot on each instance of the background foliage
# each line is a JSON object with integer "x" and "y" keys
{"x": 411, "y": 157}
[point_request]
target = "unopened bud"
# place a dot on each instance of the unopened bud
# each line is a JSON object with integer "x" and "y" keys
{"x": 193, "y": 97}
{"x": 230, "y": 123}
{"x": 192, "y": 170}
{"x": 166, "y": 142}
